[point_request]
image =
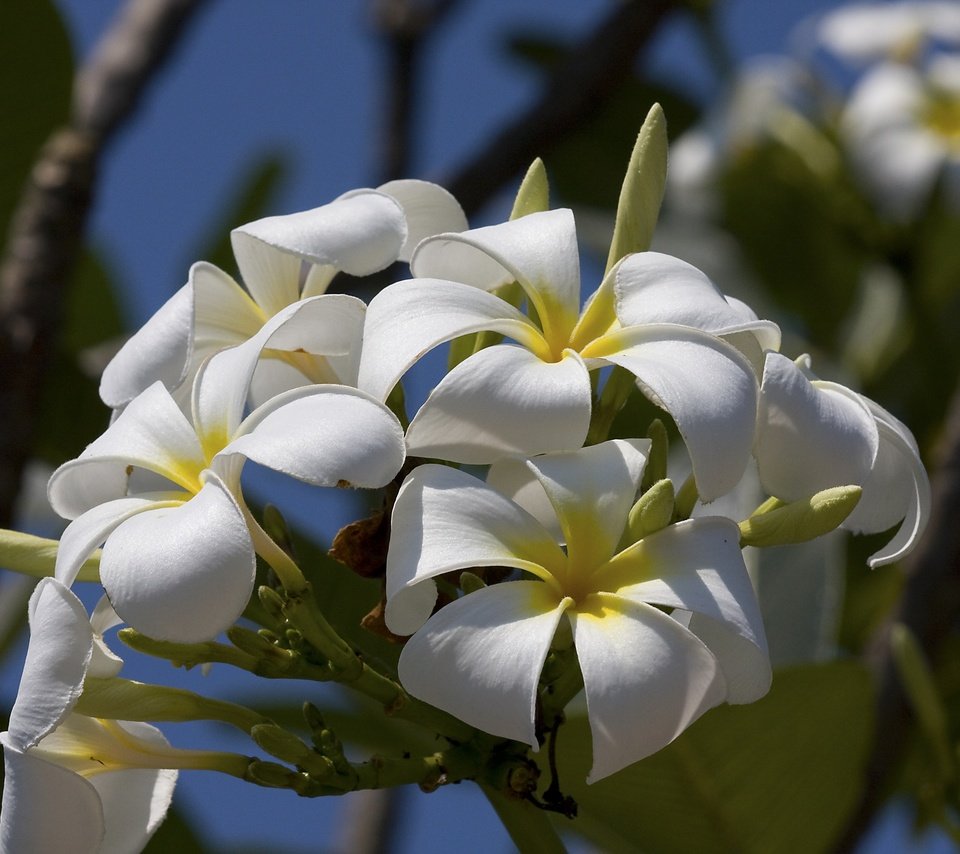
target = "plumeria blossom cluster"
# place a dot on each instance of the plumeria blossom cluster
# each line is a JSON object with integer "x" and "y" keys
{"x": 533, "y": 551}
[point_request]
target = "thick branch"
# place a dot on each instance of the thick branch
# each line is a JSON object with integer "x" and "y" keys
{"x": 574, "y": 92}
{"x": 929, "y": 607}
{"x": 48, "y": 225}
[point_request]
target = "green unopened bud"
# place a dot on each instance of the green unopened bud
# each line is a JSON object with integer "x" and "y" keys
{"x": 534, "y": 193}
{"x": 271, "y": 775}
{"x": 656, "y": 468}
{"x": 799, "y": 521}
{"x": 470, "y": 583}
{"x": 277, "y": 529}
{"x": 252, "y": 643}
{"x": 642, "y": 190}
{"x": 272, "y": 602}
{"x": 651, "y": 513}
{"x": 125, "y": 700}
{"x": 314, "y": 718}
{"x": 280, "y": 743}
{"x": 37, "y": 556}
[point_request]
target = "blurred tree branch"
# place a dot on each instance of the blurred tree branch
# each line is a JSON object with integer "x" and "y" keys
{"x": 47, "y": 228}
{"x": 574, "y": 91}
{"x": 929, "y": 608}
{"x": 404, "y": 26}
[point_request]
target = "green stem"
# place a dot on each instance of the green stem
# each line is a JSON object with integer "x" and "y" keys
{"x": 303, "y": 613}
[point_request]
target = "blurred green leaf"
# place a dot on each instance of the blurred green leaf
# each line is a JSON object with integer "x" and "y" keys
{"x": 72, "y": 414}
{"x": 778, "y": 775}
{"x": 176, "y": 834}
{"x": 797, "y": 232}
{"x": 36, "y": 75}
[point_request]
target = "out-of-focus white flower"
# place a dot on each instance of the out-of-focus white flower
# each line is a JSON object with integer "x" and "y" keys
{"x": 647, "y": 674}
{"x": 178, "y": 562}
{"x": 654, "y": 315}
{"x": 865, "y": 32}
{"x": 359, "y": 233}
{"x": 813, "y": 434}
{"x": 74, "y": 783}
{"x": 902, "y": 128}
{"x": 769, "y": 99}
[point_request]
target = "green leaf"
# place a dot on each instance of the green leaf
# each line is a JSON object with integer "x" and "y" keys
{"x": 529, "y": 827}
{"x": 36, "y": 75}
{"x": 72, "y": 414}
{"x": 642, "y": 190}
{"x": 781, "y": 774}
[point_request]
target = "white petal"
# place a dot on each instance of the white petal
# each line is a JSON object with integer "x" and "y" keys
{"x": 408, "y": 319}
{"x": 429, "y": 209}
{"x": 104, "y": 662}
{"x": 151, "y": 433}
{"x": 697, "y": 566}
{"x": 324, "y": 435}
{"x": 514, "y": 479}
{"x": 159, "y": 350}
{"x": 87, "y": 532}
{"x": 479, "y": 658}
{"x": 47, "y": 808}
{"x": 656, "y": 288}
{"x": 810, "y": 436}
{"x": 445, "y": 520}
{"x": 225, "y": 315}
{"x": 182, "y": 573}
{"x": 646, "y": 679}
{"x": 706, "y": 385}
{"x": 592, "y": 491}
{"x": 897, "y": 488}
{"x": 330, "y": 323}
{"x": 359, "y": 233}
{"x": 56, "y": 664}
{"x": 539, "y": 251}
{"x": 135, "y": 800}
{"x": 501, "y": 401}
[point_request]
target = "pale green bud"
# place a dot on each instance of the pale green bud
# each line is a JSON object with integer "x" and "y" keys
{"x": 534, "y": 193}
{"x": 777, "y": 524}
{"x": 470, "y": 583}
{"x": 651, "y": 513}
{"x": 276, "y": 741}
{"x": 37, "y": 556}
{"x": 656, "y": 467}
{"x": 642, "y": 190}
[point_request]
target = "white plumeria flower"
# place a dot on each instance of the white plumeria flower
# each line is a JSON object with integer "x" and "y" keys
{"x": 654, "y": 315}
{"x": 359, "y": 233}
{"x": 647, "y": 674}
{"x": 813, "y": 434}
{"x": 865, "y": 32}
{"x": 902, "y": 128}
{"x": 178, "y": 562}
{"x": 74, "y": 783}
